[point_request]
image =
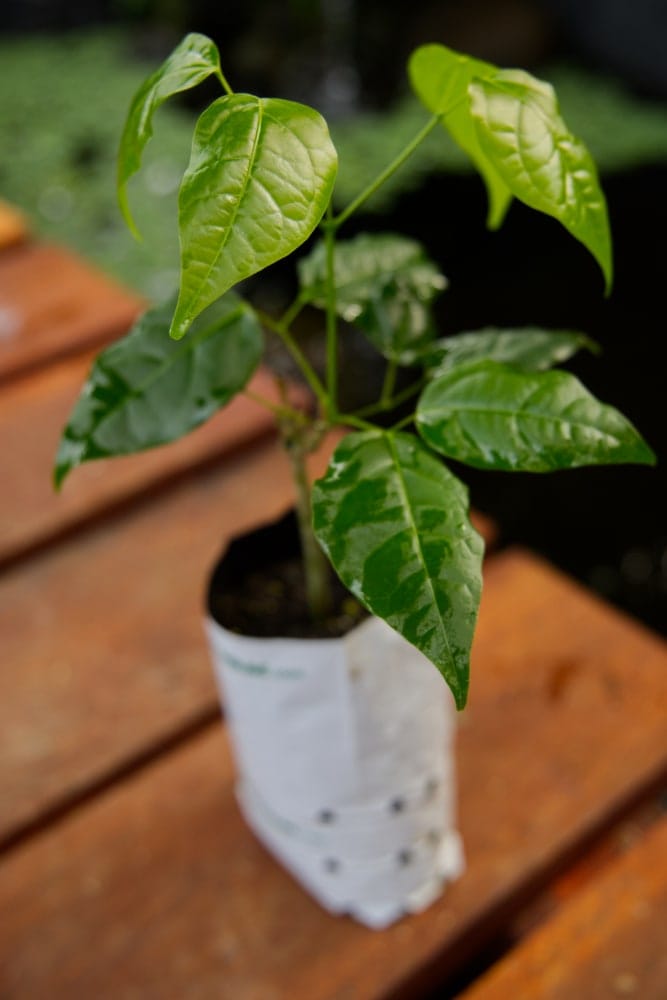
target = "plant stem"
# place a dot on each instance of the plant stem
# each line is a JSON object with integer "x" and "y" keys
{"x": 306, "y": 369}
{"x": 299, "y": 439}
{"x": 331, "y": 320}
{"x": 281, "y": 412}
{"x": 390, "y": 404}
{"x": 292, "y": 311}
{"x": 397, "y": 162}
{"x": 223, "y": 80}
{"x": 388, "y": 384}
{"x": 405, "y": 422}
{"x": 316, "y": 567}
{"x": 350, "y": 420}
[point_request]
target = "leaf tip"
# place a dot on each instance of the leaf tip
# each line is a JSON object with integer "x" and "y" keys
{"x": 124, "y": 205}
{"x": 178, "y": 329}
{"x": 460, "y": 697}
{"x": 647, "y": 455}
{"x": 495, "y": 216}
{"x": 60, "y": 472}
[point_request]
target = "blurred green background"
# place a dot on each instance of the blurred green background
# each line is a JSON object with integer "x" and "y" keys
{"x": 63, "y": 98}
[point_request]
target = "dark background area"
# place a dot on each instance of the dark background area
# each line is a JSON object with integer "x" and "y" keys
{"x": 606, "y": 526}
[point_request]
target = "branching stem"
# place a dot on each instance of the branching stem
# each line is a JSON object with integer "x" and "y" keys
{"x": 331, "y": 319}
{"x": 316, "y": 566}
{"x": 279, "y": 327}
{"x": 390, "y": 404}
{"x": 223, "y": 80}
{"x": 389, "y": 384}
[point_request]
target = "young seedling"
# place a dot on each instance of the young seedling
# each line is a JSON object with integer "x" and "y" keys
{"x": 389, "y": 514}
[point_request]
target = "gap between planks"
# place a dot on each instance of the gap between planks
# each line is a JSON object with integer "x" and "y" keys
{"x": 161, "y": 864}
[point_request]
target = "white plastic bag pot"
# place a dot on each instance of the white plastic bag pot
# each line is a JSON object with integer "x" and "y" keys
{"x": 345, "y": 763}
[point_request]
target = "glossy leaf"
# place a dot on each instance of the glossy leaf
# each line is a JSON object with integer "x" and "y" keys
{"x": 385, "y": 285}
{"x": 394, "y": 522}
{"x": 259, "y": 179}
{"x": 192, "y": 61}
{"x": 440, "y": 78}
{"x": 529, "y": 348}
{"x": 146, "y": 390}
{"x": 520, "y": 129}
{"x": 492, "y": 416}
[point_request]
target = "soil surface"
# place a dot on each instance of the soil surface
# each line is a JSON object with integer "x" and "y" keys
{"x": 258, "y": 589}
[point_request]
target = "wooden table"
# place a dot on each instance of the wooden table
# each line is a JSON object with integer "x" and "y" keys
{"x": 127, "y": 870}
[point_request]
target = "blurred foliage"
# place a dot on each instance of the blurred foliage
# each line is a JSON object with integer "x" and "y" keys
{"x": 63, "y": 101}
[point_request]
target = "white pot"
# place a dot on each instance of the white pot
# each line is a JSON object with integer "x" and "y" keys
{"x": 344, "y": 750}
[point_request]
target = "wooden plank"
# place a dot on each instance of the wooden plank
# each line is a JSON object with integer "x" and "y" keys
{"x": 157, "y": 889}
{"x": 53, "y": 304}
{"x": 115, "y": 620}
{"x": 608, "y": 942}
{"x": 33, "y": 412}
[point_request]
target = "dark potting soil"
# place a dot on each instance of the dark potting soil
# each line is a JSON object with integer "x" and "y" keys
{"x": 272, "y": 602}
{"x": 258, "y": 589}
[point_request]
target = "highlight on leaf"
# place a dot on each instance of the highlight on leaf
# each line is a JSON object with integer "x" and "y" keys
{"x": 493, "y": 416}
{"x": 530, "y": 348}
{"x": 385, "y": 285}
{"x": 146, "y": 390}
{"x": 260, "y": 177}
{"x": 394, "y": 522}
{"x": 521, "y": 130}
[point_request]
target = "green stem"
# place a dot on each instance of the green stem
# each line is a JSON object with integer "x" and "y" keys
{"x": 397, "y": 162}
{"x": 306, "y": 369}
{"x": 388, "y": 384}
{"x": 351, "y": 420}
{"x": 281, "y": 412}
{"x": 223, "y": 80}
{"x": 316, "y": 567}
{"x": 292, "y": 311}
{"x": 331, "y": 320}
{"x": 390, "y": 404}
{"x": 410, "y": 419}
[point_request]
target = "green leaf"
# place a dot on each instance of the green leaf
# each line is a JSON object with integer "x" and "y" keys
{"x": 393, "y": 520}
{"x": 529, "y": 348}
{"x": 146, "y": 390}
{"x": 492, "y": 416}
{"x": 192, "y": 61}
{"x": 260, "y": 177}
{"x": 521, "y": 131}
{"x": 384, "y": 285}
{"x": 440, "y": 78}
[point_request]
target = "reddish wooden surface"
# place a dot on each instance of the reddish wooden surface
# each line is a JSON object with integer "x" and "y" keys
{"x": 52, "y": 304}
{"x": 609, "y": 941}
{"x": 158, "y": 889}
{"x": 33, "y": 412}
{"x": 128, "y": 871}
{"x": 105, "y": 636}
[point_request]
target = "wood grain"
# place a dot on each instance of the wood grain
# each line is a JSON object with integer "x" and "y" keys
{"x": 609, "y": 941}
{"x": 53, "y": 304}
{"x": 33, "y": 412}
{"x": 157, "y": 889}
{"x": 102, "y": 639}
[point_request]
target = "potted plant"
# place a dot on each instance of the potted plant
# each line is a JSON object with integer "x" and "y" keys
{"x": 340, "y": 723}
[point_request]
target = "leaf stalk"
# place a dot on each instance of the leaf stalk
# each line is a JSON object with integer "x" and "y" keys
{"x": 389, "y": 170}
